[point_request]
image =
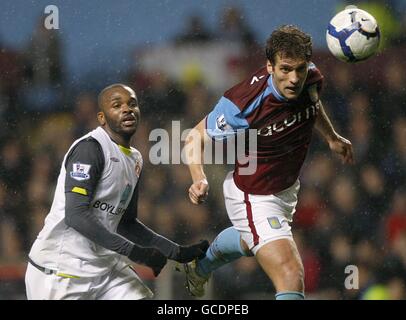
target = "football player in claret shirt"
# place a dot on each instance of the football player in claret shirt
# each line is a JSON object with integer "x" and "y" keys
{"x": 281, "y": 101}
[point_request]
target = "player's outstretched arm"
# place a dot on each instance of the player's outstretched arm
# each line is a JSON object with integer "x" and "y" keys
{"x": 140, "y": 234}
{"x": 337, "y": 143}
{"x": 194, "y": 151}
{"x": 79, "y": 217}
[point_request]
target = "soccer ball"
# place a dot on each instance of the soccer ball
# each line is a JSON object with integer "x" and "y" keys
{"x": 353, "y": 35}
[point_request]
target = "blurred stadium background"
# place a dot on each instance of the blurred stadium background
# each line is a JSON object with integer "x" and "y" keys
{"x": 180, "y": 55}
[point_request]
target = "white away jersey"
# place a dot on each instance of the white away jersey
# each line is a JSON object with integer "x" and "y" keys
{"x": 60, "y": 247}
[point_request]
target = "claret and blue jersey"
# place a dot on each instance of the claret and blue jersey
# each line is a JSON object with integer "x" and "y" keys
{"x": 284, "y": 128}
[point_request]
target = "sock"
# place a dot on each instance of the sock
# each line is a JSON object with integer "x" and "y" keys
{"x": 289, "y": 295}
{"x": 224, "y": 249}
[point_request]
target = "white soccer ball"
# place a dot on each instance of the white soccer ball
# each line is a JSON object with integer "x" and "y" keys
{"x": 353, "y": 35}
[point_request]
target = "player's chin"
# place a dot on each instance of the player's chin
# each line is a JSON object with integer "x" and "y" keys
{"x": 291, "y": 94}
{"x": 129, "y": 129}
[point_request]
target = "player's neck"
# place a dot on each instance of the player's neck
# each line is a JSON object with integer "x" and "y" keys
{"x": 119, "y": 139}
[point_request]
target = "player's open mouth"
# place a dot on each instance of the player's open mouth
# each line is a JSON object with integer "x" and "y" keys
{"x": 129, "y": 121}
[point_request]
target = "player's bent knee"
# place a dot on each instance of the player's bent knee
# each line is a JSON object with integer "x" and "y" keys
{"x": 289, "y": 277}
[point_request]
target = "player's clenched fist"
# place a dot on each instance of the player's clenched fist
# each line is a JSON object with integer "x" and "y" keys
{"x": 185, "y": 254}
{"x": 343, "y": 148}
{"x": 199, "y": 191}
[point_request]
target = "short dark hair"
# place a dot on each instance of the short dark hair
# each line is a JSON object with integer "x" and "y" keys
{"x": 289, "y": 41}
{"x": 105, "y": 90}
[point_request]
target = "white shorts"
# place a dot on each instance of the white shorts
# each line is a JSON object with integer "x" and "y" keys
{"x": 260, "y": 218}
{"x": 122, "y": 283}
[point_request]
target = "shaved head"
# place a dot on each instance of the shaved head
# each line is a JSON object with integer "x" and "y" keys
{"x": 106, "y": 93}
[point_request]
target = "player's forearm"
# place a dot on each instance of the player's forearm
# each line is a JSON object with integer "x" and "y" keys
{"x": 140, "y": 234}
{"x": 133, "y": 229}
{"x": 197, "y": 173}
{"x": 324, "y": 125}
{"x": 194, "y": 151}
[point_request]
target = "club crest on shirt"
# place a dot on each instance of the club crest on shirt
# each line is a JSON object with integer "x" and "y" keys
{"x": 80, "y": 171}
{"x": 222, "y": 123}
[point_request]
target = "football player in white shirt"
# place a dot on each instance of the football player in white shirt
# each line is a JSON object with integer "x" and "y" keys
{"x": 92, "y": 228}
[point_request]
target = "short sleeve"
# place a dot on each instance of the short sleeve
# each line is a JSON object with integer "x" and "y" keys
{"x": 84, "y": 167}
{"x": 224, "y": 120}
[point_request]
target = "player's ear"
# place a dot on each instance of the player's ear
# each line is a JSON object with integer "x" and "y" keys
{"x": 100, "y": 118}
{"x": 269, "y": 67}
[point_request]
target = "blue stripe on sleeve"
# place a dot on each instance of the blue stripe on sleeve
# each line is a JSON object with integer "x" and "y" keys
{"x": 225, "y": 120}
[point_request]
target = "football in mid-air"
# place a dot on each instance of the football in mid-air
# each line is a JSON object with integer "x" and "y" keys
{"x": 353, "y": 35}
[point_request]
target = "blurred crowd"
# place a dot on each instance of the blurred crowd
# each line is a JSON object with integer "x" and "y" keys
{"x": 345, "y": 215}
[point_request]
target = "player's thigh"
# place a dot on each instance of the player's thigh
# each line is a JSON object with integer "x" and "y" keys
{"x": 123, "y": 284}
{"x": 280, "y": 260}
{"x": 38, "y": 286}
{"x": 235, "y": 204}
{"x": 278, "y": 253}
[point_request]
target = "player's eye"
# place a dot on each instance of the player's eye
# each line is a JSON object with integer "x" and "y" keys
{"x": 301, "y": 69}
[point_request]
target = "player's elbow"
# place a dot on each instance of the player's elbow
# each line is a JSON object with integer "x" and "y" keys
{"x": 76, "y": 217}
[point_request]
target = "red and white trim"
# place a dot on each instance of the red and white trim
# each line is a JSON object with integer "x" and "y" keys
{"x": 250, "y": 219}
